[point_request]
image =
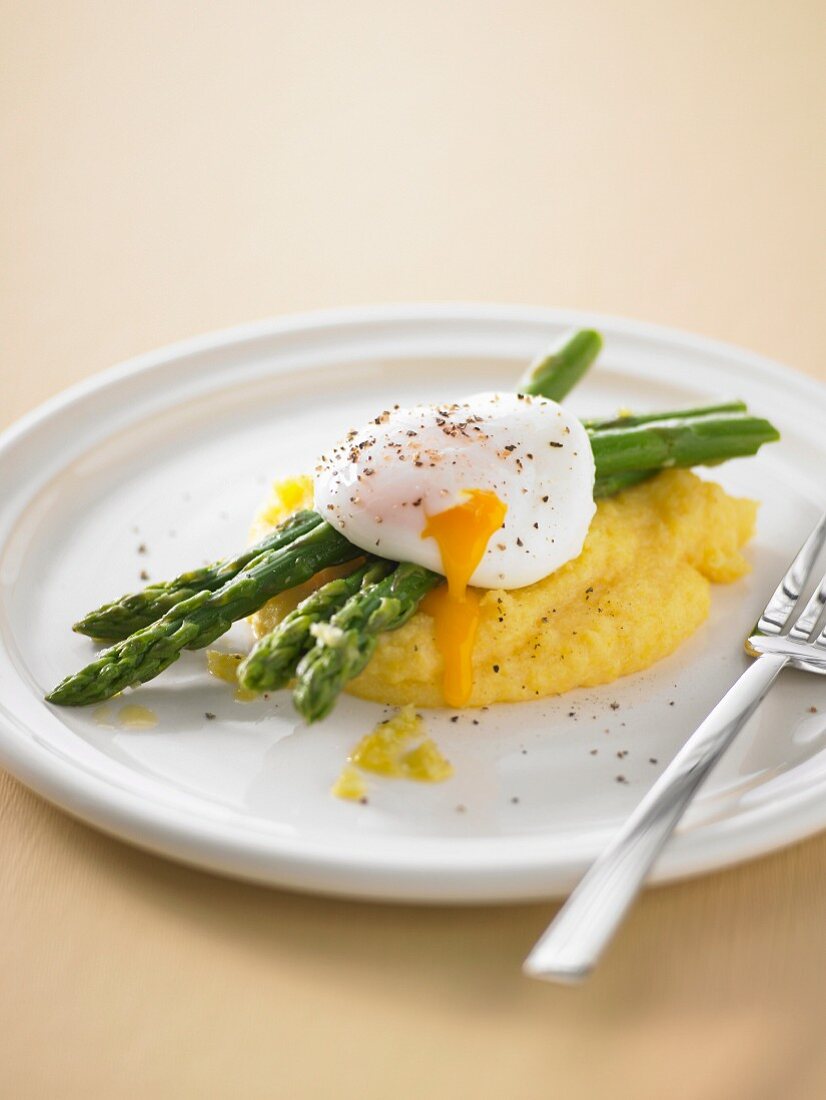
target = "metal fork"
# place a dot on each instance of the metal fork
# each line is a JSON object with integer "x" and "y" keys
{"x": 572, "y": 944}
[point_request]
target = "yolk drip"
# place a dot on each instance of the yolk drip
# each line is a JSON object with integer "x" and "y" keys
{"x": 462, "y": 534}
{"x": 132, "y": 716}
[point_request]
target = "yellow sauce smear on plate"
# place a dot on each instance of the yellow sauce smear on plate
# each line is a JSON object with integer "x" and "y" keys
{"x": 462, "y": 534}
{"x": 131, "y": 716}
{"x": 224, "y": 666}
{"x": 398, "y": 748}
{"x": 350, "y": 785}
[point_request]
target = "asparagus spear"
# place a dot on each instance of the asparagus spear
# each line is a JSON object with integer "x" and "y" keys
{"x": 123, "y": 617}
{"x": 555, "y": 373}
{"x": 202, "y": 618}
{"x": 345, "y": 644}
{"x": 273, "y": 661}
{"x": 693, "y": 441}
{"x": 671, "y": 439}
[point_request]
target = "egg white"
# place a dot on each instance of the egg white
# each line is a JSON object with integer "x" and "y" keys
{"x": 379, "y": 484}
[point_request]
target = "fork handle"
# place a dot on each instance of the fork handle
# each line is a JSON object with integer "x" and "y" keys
{"x": 585, "y": 924}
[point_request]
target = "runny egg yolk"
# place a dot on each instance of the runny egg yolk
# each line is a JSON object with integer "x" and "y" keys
{"x": 462, "y": 534}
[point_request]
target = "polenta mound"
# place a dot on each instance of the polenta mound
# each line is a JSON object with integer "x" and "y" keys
{"x": 639, "y": 588}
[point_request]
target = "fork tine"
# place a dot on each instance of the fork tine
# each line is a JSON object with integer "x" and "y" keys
{"x": 780, "y": 607}
{"x": 811, "y": 614}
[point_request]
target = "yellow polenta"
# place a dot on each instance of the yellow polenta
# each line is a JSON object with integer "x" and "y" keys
{"x": 640, "y": 587}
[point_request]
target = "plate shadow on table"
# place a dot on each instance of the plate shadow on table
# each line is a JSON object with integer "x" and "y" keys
{"x": 722, "y": 964}
{"x": 468, "y": 953}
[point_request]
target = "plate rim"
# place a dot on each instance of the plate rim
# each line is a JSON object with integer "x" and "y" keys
{"x": 268, "y": 858}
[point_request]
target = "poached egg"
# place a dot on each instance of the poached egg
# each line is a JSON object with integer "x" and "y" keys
{"x": 495, "y": 491}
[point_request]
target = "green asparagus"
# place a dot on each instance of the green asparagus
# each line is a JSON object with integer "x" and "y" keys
{"x": 345, "y": 644}
{"x": 671, "y": 439}
{"x": 555, "y": 373}
{"x": 272, "y": 662}
{"x": 202, "y": 618}
{"x": 693, "y": 441}
{"x": 117, "y": 620}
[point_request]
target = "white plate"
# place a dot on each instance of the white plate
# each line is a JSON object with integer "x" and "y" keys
{"x": 173, "y": 450}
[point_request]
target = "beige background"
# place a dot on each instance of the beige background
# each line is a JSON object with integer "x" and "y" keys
{"x": 172, "y": 167}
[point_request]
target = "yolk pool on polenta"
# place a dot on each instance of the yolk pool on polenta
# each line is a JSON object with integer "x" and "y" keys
{"x": 462, "y": 534}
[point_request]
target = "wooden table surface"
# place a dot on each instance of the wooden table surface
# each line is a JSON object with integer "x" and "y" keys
{"x": 174, "y": 167}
